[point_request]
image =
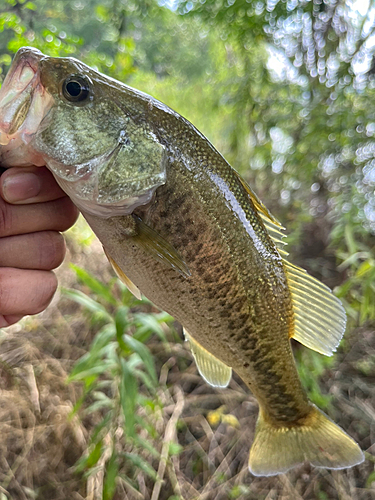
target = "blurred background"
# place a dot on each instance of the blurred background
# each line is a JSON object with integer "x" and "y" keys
{"x": 285, "y": 90}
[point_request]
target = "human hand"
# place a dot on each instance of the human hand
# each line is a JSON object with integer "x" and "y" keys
{"x": 33, "y": 209}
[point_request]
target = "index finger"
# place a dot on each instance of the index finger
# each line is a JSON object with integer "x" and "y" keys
{"x": 26, "y": 185}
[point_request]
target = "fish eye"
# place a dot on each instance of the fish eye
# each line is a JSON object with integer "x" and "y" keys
{"x": 76, "y": 89}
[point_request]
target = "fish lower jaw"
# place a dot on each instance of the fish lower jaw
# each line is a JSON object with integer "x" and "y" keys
{"x": 16, "y": 153}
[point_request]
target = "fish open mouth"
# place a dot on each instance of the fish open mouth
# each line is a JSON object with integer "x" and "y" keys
{"x": 115, "y": 180}
{"x": 24, "y": 103}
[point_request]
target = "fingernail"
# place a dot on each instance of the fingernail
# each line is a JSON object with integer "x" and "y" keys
{"x": 21, "y": 187}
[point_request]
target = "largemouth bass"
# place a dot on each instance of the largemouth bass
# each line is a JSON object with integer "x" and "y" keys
{"x": 180, "y": 225}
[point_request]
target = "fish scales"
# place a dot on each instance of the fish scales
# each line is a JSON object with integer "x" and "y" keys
{"x": 220, "y": 280}
{"x": 181, "y": 226}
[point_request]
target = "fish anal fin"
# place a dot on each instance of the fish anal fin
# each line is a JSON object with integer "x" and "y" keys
{"x": 318, "y": 440}
{"x": 319, "y": 316}
{"x": 122, "y": 276}
{"x": 154, "y": 244}
{"x": 213, "y": 371}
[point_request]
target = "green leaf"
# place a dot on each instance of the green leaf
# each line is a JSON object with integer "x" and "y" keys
{"x": 111, "y": 470}
{"x": 174, "y": 448}
{"x": 87, "y": 302}
{"x": 148, "y": 382}
{"x": 144, "y": 354}
{"x": 122, "y": 323}
{"x": 103, "y": 338}
{"x": 349, "y": 239}
{"x": 104, "y": 424}
{"x": 98, "y": 405}
{"x": 128, "y": 397}
{"x": 148, "y": 324}
{"x": 95, "y": 454}
{"x": 145, "y": 443}
{"x": 140, "y": 463}
{"x": 94, "y": 285}
{"x": 370, "y": 480}
{"x": 82, "y": 374}
{"x": 30, "y": 6}
{"x": 364, "y": 268}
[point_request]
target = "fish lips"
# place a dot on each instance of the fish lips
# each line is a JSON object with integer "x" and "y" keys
{"x": 24, "y": 107}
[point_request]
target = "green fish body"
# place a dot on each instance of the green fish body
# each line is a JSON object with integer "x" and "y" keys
{"x": 181, "y": 226}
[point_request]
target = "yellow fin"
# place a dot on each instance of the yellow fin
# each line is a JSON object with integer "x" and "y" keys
{"x": 272, "y": 225}
{"x": 319, "y": 441}
{"x": 319, "y": 316}
{"x": 275, "y": 233}
{"x": 159, "y": 248}
{"x": 257, "y": 202}
{"x": 213, "y": 371}
{"x": 120, "y": 273}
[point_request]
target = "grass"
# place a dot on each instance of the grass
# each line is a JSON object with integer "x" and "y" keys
{"x": 87, "y": 413}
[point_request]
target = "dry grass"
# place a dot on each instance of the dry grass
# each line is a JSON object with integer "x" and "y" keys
{"x": 40, "y": 443}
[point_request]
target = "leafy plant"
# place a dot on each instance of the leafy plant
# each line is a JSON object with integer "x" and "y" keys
{"x": 119, "y": 386}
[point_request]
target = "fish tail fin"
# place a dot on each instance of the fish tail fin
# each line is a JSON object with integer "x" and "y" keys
{"x": 317, "y": 440}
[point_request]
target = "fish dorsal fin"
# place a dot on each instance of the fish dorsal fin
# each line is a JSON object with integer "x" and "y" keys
{"x": 257, "y": 202}
{"x": 154, "y": 244}
{"x": 213, "y": 371}
{"x": 272, "y": 225}
{"x": 319, "y": 316}
{"x": 275, "y": 233}
{"x": 120, "y": 273}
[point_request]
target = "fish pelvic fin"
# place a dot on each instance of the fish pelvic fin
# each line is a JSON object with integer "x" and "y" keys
{"x": 319, "y": 317}
{"x": 317, "y": 440}
{"x": 211, "y": 369}
{"x": 122, "y": 276}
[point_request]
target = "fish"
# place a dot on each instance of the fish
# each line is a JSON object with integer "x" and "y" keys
{"x": 180, "y": 226}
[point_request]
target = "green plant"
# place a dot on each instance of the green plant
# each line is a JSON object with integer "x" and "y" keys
{"x": 119, "y": 386}
{"x": 311, "y": 366}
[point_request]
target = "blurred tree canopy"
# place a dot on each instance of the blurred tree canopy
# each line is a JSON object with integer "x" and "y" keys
{"x": 284, "y": 89}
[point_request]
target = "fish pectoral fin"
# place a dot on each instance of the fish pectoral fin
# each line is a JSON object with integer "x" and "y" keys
{"x": 318, "y": 440}
{"x": 213, "y": 371}
{"x": 272, "y": 225}
{"x": 153, "y": 243}
{"x": 319, "y": 316}
{"x": 122, "y": 276}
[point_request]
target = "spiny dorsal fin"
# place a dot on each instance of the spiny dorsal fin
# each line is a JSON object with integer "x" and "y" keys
{"x": 153, "y": 243}
{"x": 319, "y": 316}
{"x": 257, "y": 202}
{"x": 275, "y": 233}
{"x": 213, "y": 371}
{"x": 272, "y": 225}
{"x": 120, "y": 273}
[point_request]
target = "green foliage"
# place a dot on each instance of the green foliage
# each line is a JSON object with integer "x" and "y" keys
{"x": 311, "y": 366}
{"x": 238, "y": 491}
{"x": 120, "y": 385}
{"x": 358, "y": 262}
